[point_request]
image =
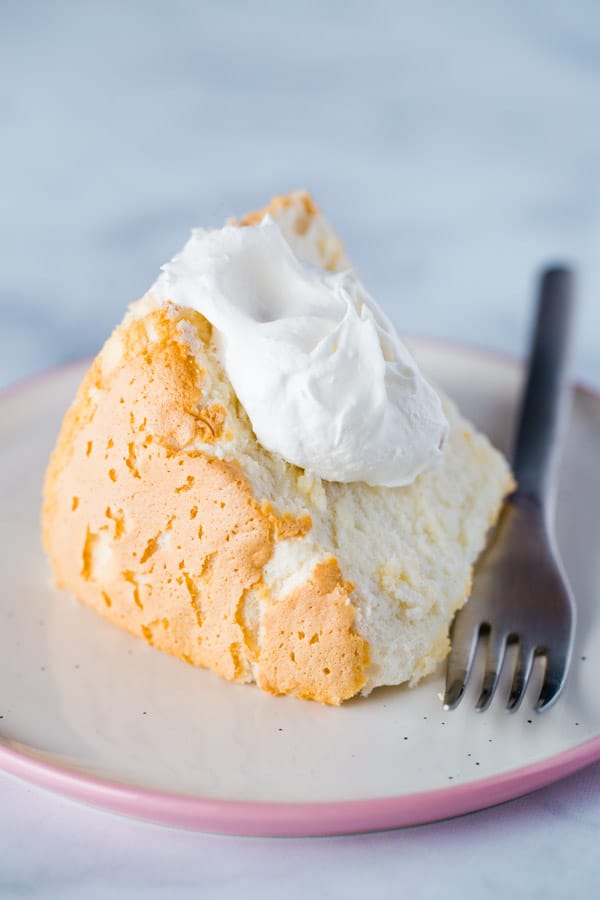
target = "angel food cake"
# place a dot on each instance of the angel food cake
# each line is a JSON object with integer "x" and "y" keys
{"x": 256, "y": 477}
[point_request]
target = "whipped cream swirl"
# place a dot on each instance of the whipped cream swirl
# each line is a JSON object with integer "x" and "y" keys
{"x": 319, "y": 369}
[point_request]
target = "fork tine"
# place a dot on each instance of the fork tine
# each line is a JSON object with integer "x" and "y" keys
{"x": 460, "y": 663}
{"x": 554, "y": 679}
{"x": 496, "y": 651}
{"x": 523, "y": 667}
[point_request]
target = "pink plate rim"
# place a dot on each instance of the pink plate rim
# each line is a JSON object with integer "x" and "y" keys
{"x": 255, "y": 818}
{"x": 258, "y": 819}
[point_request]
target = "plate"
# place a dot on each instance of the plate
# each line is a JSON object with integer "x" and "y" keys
{"x": 93, "y": 713}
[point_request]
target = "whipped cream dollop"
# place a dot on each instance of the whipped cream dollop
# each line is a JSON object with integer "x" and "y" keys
{"x": 319, "y": 369}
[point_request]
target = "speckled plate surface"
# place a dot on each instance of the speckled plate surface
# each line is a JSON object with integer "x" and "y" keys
{"x": 97, "y": 715}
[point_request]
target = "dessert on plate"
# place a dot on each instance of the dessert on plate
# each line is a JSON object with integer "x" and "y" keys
{"x": 256, "y": 477}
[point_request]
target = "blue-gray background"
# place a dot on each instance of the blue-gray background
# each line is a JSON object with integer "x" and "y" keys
{"x": 455, "y": 146}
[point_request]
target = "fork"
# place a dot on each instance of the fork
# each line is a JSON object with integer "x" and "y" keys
{"x": 520, "y": 593}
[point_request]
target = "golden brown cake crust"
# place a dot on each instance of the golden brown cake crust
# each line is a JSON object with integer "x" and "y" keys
{"x": 302, "y": 635}
{"x": 297, "y": 214}
{"x": 300, "y": 199}
{"x": 167, "y": 541}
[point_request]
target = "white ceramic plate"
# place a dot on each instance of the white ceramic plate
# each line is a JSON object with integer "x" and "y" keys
{"x": 95, "y": 714}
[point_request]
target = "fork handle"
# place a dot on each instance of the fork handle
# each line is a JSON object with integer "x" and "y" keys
{"x": 544, "y": 398}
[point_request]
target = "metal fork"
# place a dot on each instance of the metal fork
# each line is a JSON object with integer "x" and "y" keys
{"x": 520, "y": 593}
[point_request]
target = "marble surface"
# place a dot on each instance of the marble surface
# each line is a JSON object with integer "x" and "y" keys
{"x": 456, "y": 147}
{"x": 542, "y": 846}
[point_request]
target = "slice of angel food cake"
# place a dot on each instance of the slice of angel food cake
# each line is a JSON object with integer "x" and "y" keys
{"x": 256, "y": 477}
